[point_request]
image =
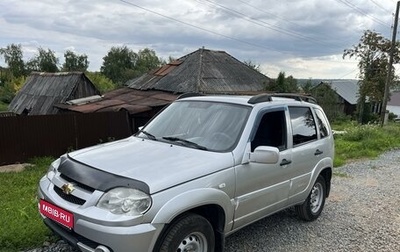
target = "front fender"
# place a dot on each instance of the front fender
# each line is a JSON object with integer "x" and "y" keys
{"x": 192, "y": 199}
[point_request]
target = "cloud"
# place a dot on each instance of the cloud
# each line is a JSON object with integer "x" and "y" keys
{"x": 304, "y": 38}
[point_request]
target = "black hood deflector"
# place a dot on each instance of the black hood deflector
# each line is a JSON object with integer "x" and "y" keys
{"x": 97, "y": 179}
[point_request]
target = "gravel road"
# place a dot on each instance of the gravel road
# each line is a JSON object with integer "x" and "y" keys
{"x": 361, "y": 214}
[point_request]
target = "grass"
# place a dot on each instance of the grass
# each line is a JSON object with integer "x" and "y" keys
{"x": 365, "y": 141}
{"x": 22, "y": 228}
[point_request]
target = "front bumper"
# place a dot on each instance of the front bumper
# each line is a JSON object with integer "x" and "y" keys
{"x": 132, "y": 240}
{"x": 93, "y": 229}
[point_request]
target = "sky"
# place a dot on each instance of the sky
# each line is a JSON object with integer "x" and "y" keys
{"x": 303, "y": 38}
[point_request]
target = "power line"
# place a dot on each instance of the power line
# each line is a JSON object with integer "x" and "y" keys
{"x": 359, "y": 10}
{"x": 267, "y": 12}
{"x": 352, "y": 71}
{"x": 380, "y": 6}
{"x": 265, "y": 24}
{"x": 203, "y": 29}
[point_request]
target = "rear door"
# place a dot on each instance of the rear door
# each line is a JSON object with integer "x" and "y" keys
{"x": 307, "y": 150}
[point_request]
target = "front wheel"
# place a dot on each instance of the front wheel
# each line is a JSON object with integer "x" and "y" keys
{"x": 313, "y": 205}
{"x": 189, "y": 233}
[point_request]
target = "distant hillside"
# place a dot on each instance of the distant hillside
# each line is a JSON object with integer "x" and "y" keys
{"x": 302, "y": 82}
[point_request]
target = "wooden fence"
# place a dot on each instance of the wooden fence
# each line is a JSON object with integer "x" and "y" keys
{"x": 25, "y": 137}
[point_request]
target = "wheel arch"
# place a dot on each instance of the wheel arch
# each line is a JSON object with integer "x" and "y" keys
{"x": 327, "y": 175}
{"x": 212, "y": 204}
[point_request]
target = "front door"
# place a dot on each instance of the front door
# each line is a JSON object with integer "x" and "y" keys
{"x": 263, "y": 188}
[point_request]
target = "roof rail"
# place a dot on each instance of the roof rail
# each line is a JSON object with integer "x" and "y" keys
{"x": 259, "y": 98}
{"x": 268, "y": 97}
{"x": 187, "y": 95}
{"x": 298, "y": 97}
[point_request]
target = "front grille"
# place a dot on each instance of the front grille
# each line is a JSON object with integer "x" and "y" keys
{"x": 83, "y": 186}
{"x": 68, "y": 197}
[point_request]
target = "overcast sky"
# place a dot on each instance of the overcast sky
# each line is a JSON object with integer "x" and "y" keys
{"x": 303, "y": 38}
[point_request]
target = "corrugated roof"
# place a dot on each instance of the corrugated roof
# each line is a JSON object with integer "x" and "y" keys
{"x": 203, "y": 71}
{"x": 42, "y": 90}
{"x": 347, "y": 89}
{"x": 134, "y": 101}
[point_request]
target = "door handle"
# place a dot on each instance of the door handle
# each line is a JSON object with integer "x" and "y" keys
{"x": 318, "y": 152}
{"x": 285, "y": 162}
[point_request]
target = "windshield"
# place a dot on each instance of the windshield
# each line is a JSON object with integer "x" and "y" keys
{"x": 204, "y": 125}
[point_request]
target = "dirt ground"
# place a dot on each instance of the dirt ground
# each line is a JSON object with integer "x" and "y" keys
{"x": 13, "y": 167}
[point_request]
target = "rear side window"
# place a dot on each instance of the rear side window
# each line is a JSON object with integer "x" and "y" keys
{"x": 322, "y": 123}
{"x": 303, "y": 125}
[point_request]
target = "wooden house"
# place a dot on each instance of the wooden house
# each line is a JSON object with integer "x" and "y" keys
{"x": 43, "y": 90}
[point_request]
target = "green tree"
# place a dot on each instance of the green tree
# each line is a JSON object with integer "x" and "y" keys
{"x": 328, "y": 99}
{"x": 122, "y": 64}
{"x": 147, "y": 60}
{"x": 44, "y": 61}
{"x": 13, "y": 57}
{"x": 307, "y": 87}
{"x": 372, "y": 51}
{"x": 10, "y": 88}
{"x": 75, "y": 62}
{"x": 119, "y": 64}
{"x": 101, "y": 82}
{"x": 284, "y": 84}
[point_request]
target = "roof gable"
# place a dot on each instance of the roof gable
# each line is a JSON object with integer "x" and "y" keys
{"x": 347, "y": 89}
{"x": 203, "y": 71}
{"x": 42, "y": 90}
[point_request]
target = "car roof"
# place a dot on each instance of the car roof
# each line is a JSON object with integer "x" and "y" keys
{"x": 272, "y": 99}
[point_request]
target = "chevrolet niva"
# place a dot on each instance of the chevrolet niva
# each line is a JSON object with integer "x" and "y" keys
{"x": 203, "y": 168}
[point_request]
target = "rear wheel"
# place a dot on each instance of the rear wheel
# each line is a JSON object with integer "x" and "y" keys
{"x": 189, "y": 233}
{"x": 313, "y": 205}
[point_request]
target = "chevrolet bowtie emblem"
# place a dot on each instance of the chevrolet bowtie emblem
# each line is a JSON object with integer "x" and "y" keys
{"x": 68, "y": 188}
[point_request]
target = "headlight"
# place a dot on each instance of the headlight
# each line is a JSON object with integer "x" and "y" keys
{"x": 125, "y": 201}
{"x": 53, "y": 169}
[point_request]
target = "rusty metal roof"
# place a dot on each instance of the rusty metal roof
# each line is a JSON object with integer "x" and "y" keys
{"x": 134, "y": 101}
{"x": 203, "y": 71}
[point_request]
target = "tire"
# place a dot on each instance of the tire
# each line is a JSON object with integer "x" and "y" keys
{"x": 314, "y": 204}
{"x": 191, "y": 232}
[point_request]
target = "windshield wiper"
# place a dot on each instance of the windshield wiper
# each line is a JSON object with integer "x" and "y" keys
{"x": 186, "y": 142}
{"x": 152, "y": 137}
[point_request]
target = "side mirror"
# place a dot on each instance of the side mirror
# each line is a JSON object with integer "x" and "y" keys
{"x": 265, "y": 155}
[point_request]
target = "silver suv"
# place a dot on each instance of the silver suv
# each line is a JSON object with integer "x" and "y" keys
{"x": 200, "y": 170}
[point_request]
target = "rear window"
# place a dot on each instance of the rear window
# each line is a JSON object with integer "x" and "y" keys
{"x": 322, "y": 123}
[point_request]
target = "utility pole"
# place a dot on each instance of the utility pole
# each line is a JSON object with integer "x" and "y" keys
{"x": 389, "y": 73}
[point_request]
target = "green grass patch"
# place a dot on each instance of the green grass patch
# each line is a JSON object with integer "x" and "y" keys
{"x": 365, "y": 141}
{"x": 21, "y": 225}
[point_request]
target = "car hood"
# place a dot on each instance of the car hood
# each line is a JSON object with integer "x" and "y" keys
{"x": 158, "y": 164}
